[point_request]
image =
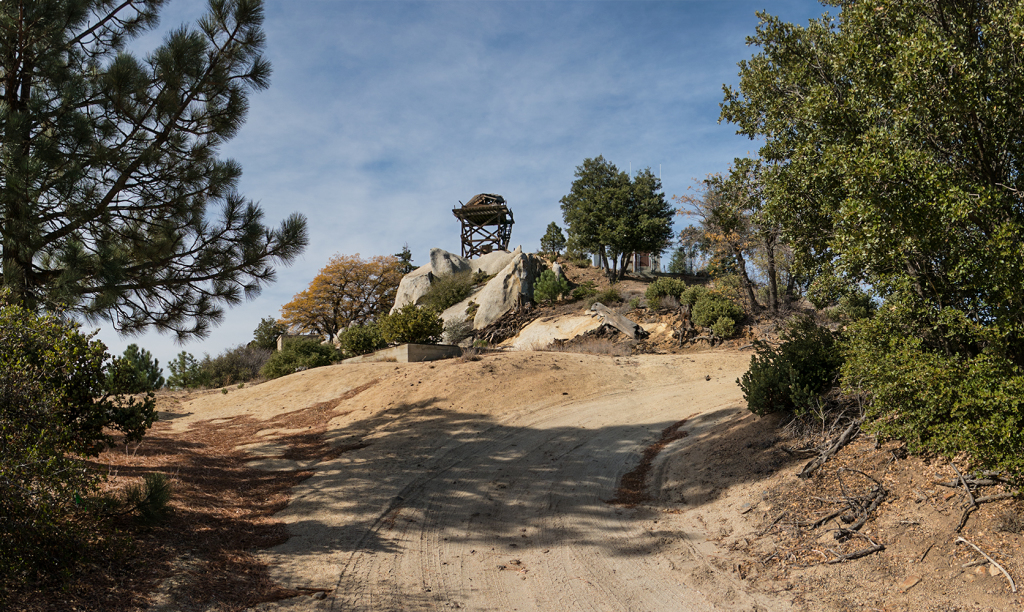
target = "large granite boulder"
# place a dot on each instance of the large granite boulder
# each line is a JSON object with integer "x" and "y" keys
{"x": 413, "y": 286}
{"x": 512, "y": 285}
{"x": 443, "y": 263}
{"x": 493, "y": 262}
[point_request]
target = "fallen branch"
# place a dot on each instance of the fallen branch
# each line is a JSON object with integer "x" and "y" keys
{"x": 843, "y": 439}
{"x": 1013, "y": 587}
{"x": 772, "y": 524}
{"x": 857, "y": 554}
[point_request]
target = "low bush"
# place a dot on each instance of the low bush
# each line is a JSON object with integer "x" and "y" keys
{"x": 583, "y": 291}
{"x": 299, "y": 354}
{"x": 794, "y": 375}
{"x": 550, "y": 287}
{"x": 710, "y": 307}
{"x": 235, "y": 365}
{"x": 447, "y": 291}
{"x": 938, "y": 400}
{"x": 606, "y": 297}
{"x": 149, "y": 499}
{"x": 724, "y": 327}
{"x": 411, "y": 324}
{"x": 664, "y": 286}
{"x": 61, "y": 398}
{"x": 693, "y": 293}
{"x": 456, "y": 331}
{"x": 361, "y": 339}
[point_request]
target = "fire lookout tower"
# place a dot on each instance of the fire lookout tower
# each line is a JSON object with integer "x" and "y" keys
{"x": 486, "y": 224}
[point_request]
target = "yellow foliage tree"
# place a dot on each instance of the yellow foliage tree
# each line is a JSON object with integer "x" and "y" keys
{"x": 347, "y": 290}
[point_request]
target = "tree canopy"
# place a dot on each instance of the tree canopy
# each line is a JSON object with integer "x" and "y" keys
{"x": 611, "y": 214}
{"x": 893, "y": 149}
{"x": 893, "y": 145}
{"x": 348, "y": 290}
{"x": 553, "y": 241}
{"x": 109, "y": 167}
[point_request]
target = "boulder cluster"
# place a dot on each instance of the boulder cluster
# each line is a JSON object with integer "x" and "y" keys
{"x": 511, "y": 284}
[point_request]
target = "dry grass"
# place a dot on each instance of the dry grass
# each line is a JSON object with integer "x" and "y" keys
{"x": 222, "y": 514}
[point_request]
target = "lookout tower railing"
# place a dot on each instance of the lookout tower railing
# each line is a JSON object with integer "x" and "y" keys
{"x": 486, "y": 224}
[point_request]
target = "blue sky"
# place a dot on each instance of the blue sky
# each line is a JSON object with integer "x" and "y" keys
{"x": 381, "y": 116}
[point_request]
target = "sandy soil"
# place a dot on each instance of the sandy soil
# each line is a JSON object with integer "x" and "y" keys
{"x": 484, "y": 485}
{"x": 564, "y": 481}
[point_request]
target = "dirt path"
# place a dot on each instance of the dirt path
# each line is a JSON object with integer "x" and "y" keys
{"x": 485, "y": 485}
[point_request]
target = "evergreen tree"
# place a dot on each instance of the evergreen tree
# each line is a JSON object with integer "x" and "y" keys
{"x": 553, "y": 241}
{"x": 108, "y": 164}
{"x": 610, "y": 214}
{"x": 148, "y": 375}
{"x": 405, "y": 264}
{"x": 266, "y": 333}
{"x": 185, "y": 372}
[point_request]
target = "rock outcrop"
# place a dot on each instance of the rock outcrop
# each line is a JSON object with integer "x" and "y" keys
{"x": 513, "y": 273}
{"x": 512, "y": 285}
{"x": 493, "y": 262}
{"x": 443, "y": 263}
{"x": 413, "y": 286}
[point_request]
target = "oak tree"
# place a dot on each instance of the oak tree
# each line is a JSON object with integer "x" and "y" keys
{"x": 348, "y": 290}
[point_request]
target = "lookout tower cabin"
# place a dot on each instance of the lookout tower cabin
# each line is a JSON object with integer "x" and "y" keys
{"x": 486, "y": 224}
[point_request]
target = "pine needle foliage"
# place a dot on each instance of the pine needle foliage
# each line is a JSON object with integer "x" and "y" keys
{"x": 113, "y": 201}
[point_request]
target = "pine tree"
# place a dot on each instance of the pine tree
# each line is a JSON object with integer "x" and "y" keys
{"x": 108, "y": 164}
{"x": 553, "y": 241}
{"x": 148, "y": 375}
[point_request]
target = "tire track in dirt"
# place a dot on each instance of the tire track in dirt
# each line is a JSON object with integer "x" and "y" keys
{"x": 501, "y": 509}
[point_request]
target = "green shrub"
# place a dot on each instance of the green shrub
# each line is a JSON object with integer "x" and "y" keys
{"x": 793, "y": 376}
{"x": 150, "y": 498}
{"x": 550, "y": 287}
{"x": 361, "y": 339}
{"x": 456, "y": 331}
{"x": 61, "y": 398}
{"x": 185, "y": 372}
{"x": 724, "y": 327}
{"x": 239, "y": 364}
{"x": 711, "y": 306}
{"x": 447, "y": 291}
{"x": 584, "y": 291}
{"x": 412, "y": 325}
{"x": 609, "y": 296}
{"x": 938, "y": 401}
{"x": 147, "y": 375}
{"x": 635, "y": 303}
{"x": 299, "y": 354}
{"x": 663, "y": 286}
{"x": 692, "y": 294}
{"x": 853, "y": 306}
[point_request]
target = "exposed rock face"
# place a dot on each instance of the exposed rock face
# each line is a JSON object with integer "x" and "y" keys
{"x": 513, "y": 284}
{"x": 513, "y": 272}
{"x": 443, "y": 263}
{"x": 557, "y": 269}
{"x": 413, "y": 286}
{"x": 493, "y": 262}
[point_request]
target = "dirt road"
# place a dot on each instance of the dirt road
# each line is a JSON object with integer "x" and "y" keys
{"x": 485, "y": 485}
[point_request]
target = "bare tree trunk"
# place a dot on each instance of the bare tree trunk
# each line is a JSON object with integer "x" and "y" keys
{"x": 622, "y": 265}
{"x": 773, "y": 282}
{"x": 747, "y": 285}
